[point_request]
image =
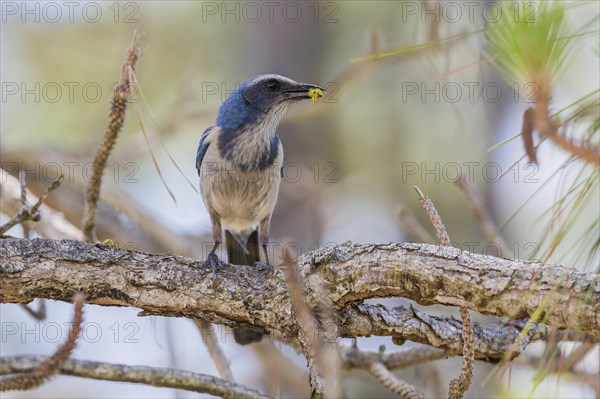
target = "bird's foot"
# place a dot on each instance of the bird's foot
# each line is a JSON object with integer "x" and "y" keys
{"x": 262, "y": 266}
{"x": 213, "y": 262}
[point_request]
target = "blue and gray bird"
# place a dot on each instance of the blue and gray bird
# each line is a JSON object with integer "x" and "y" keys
{"x": 240, "y": 164}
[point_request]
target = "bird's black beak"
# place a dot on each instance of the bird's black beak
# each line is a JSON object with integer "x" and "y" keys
{"x": 305, "y": 91}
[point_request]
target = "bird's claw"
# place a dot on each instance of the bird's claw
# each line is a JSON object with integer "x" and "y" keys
{"x": 213, "y": 262}
{"x": 263, "y": 266}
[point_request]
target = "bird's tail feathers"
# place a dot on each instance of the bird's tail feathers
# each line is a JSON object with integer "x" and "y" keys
{"x": 242, "y": 249}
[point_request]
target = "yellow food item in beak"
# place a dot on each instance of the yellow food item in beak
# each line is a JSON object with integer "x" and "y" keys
{"x": 315, "y": 94}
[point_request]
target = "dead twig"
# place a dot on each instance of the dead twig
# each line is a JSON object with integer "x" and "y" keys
{"x": 393, "y": 383}
{"x": 411, "y": 226}
{"x": 283, "y": 377}
{"x": 26, "y": 212}
{"x": 587, "y": 153}
{"x": 354, "y": 358}
{"x": 154, "y": 376}
{"x": 430, "y": 375}
{"x": 214, "y": 349}
{"x": 320, "y": 352}
{"x": 40, "y": 313}
{"x": 565, "y": 366}
{"x": 51, "y": 365}
{"x": 538, "y": 119}
{"x": 578, "y": 354}
{"x": 379, "y": 364}
{"x": 527, "y": 135}
{"x": 54, "y": 224}
{"x": 434, "y": 216}
{"x": 457, "y": 386}
{"x": 482, "y": 214}
{"x": 116, "y": 120}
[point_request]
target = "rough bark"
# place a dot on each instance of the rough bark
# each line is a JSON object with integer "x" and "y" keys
{"x": 171, "y": 285}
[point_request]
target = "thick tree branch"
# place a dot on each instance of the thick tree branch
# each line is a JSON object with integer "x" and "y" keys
{"x": 166, "y": 284}
{"x": 155, "y": 376}
{"x": 430, "y": 274}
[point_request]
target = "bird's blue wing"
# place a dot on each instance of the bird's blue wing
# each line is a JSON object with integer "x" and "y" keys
{"x": 202, "y": 147}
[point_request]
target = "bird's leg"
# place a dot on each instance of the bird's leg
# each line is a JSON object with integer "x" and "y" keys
{"x": 264, "y": 265}
{"x": 212, "y": 260}
{"x": 264, "y": 247}
{"x": 264, "y": 239}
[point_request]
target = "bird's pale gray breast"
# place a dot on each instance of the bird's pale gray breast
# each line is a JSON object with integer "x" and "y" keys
{"x": 240, "y": 177}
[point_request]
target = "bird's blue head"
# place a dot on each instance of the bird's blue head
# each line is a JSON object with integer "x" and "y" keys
{"x": 262, "y": 97}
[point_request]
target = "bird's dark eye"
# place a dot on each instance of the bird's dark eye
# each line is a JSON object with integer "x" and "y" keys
{"x": 272, "y": 84}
